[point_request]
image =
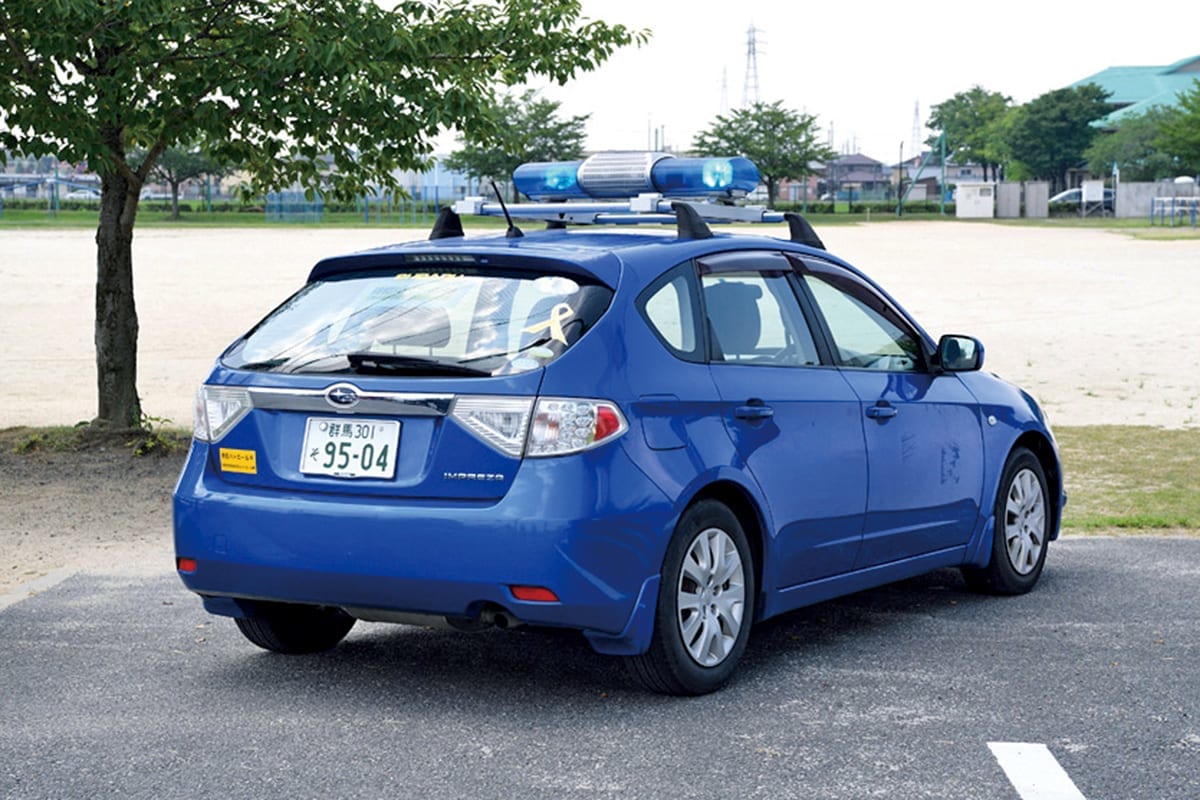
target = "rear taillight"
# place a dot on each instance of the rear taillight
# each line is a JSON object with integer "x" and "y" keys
{"x": 555, "y": 426}
{"x": 219, "y": 408}
{"x": 565, "y": 425}
{"x": 500, "y": 421}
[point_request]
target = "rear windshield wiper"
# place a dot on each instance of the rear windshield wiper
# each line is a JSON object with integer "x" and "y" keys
{"x": 505, "y": 354}
{"x": 382, "y": 364}
{"x": 270, "y": 364}
{"x": 293, "y": 364}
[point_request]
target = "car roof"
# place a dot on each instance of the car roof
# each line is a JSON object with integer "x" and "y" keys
{"x": 603, "y": 253}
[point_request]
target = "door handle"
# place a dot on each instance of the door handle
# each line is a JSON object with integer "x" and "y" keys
{"x": 881, "y": 412}
{"x": 754, "y": 410}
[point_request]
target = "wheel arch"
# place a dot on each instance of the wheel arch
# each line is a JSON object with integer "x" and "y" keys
{"x": 735, "y": 497}
{"x": 1043, "y": 449}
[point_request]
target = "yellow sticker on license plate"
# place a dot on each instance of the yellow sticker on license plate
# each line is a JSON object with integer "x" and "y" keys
{"x": 244, "y": 461}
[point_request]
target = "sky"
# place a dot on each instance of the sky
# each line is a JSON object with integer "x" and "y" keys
{"x": 861, "y": 67}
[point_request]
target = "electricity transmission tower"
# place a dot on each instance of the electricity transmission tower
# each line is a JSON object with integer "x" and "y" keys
{"x": 750, "y": 86}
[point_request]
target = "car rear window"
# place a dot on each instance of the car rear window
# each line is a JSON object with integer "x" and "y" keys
{"x": 440, "y": 321}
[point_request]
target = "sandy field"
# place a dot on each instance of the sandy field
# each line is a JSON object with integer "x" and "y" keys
{"x": 1100, "y": 327}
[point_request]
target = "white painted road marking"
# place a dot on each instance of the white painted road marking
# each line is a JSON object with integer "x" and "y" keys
{"x": 1034, "y": 772}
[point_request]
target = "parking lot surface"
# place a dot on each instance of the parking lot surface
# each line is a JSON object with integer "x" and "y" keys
{"x": 121, "y": 686}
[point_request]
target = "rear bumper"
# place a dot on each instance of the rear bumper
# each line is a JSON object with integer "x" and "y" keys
{"x": 591, "y": 528}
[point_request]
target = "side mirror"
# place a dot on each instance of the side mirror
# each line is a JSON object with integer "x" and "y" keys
{"x": 959, "y": 353}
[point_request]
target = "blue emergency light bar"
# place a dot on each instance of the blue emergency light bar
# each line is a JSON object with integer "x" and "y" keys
{"x": 625, "y": 188}
{"x": 625, "y": 175}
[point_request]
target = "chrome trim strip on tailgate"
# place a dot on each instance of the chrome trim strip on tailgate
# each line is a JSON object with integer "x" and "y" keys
{"x": 388, "y": 403}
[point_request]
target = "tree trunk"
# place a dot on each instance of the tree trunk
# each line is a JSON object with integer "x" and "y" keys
{"x": 175, "y": 199}
{"x": 116, "y": 316}
{"x": 772, "y": 186}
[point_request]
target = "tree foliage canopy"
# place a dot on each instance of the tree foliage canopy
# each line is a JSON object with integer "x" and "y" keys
{"x": 529, "y": 129}
{"x": 1049, "y": 134}
{"x": 970, "y": 121}
{"x": 1134, "y": 148}
{"x": 335, "y": 94}
{"x": 783, "y": 143}
{"x": 1180, "y": 132}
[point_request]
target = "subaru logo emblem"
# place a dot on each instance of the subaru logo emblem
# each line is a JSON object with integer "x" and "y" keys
{"x": 342, "y": 396}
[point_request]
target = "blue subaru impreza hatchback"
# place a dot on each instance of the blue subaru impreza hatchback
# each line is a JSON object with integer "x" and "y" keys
{"x": 657, "y": 438}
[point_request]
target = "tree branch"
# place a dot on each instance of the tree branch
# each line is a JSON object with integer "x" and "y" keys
{"x": 205, "y": 33}
{"x": 147, "y": 164}
{"x": 26, "y": 65}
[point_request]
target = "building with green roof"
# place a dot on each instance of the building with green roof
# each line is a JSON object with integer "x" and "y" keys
{"x": 1137, "y": 89}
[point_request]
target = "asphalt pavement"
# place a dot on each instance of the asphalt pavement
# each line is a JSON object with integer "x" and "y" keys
{"x": 121, "y": 687}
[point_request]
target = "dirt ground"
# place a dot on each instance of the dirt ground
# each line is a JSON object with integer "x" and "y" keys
{"x": 1099, "y": 326}
{"x": 99, "y": 510}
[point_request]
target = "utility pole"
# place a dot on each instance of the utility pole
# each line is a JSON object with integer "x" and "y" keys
{"x": 916, "y": 130}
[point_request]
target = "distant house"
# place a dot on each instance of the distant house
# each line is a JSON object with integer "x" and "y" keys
{"x": 860, "y": 177}
{"x": 795, "y": 191}
{"x": 1135, "y": 90}
{"x": 857, "y": 177}
{"x": 930, "y": 177}
{"x": 972, "y": 173}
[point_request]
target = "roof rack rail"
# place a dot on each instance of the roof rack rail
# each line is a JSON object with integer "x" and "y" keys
{"x": 646, "y": 209}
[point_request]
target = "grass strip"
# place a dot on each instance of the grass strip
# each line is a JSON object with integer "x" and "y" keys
{"x": 1131, "y": 477}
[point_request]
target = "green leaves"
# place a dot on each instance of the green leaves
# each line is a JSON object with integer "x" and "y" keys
{"x": 1136, "y": 148}
{"x": 1180, "y": 132}
{"x": 283, "y": 88}
{"x": 971, "y": 122}
{"x": 518, "y": 129}
{"x": 780, "y": 141}
{"x": 1050, "y": 133}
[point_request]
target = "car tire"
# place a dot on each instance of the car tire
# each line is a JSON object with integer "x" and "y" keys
{"x": 706, "y": 604}
{"x": 1022, "y": 529}
{"x": 295, "y": 629}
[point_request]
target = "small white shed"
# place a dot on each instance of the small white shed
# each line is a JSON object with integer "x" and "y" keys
{"x": 975, "y": 201}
